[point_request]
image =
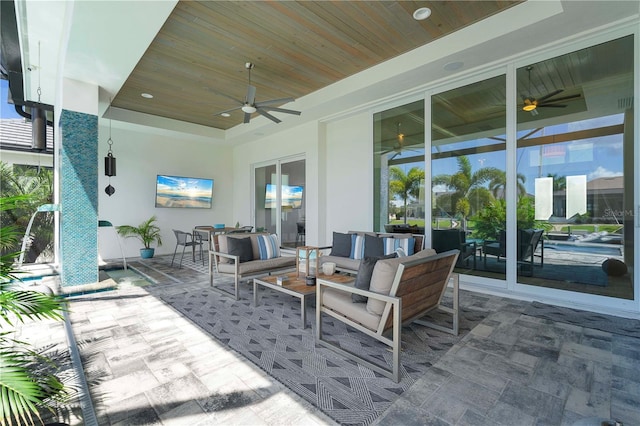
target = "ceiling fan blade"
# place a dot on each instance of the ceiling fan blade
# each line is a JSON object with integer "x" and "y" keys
{"x": 251, "y": 94}
{"x": 549, "y": 95}
{"x": 224, "y": 95}
{"x": 564, "y": 98}
{"x": 551, "y": 106}
{"x": 269, "y": 116}
{"x": 286, "y": 111}
{"x": 275, "y": 101}
{"x": 228, "y": 110}
{"x": 247, "y": 117}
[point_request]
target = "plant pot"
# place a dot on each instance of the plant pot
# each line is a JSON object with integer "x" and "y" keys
{"x": 147, "y": 253}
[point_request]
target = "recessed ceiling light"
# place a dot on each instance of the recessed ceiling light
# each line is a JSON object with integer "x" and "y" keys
{"x": 147, "y": 95}
{"x": 225, "y": 114}
{"x": 452, "y": 66}
{"x": 421, "y": 14}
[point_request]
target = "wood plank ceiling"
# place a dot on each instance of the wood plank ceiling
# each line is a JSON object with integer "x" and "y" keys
{"x": 195, "y": 66}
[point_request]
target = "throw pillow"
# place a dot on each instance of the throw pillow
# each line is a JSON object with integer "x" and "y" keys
{"x": 341, "y": 245}
{"x": 268, "y": 246}
{"x": 373, "y": 246}
{"x": 406, "y": 244}
{"x": 363, "y": 279}
{"x": 240, "y": 247}
{"x": 357, "y": 247}
{"x": 381, "y": 280}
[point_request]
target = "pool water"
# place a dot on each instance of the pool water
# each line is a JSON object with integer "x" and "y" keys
{"x": 128, "y": 276}
{"x": 598, "y": 249}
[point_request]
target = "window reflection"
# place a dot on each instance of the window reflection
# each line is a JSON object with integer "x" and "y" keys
{"x": 571, "y": 151}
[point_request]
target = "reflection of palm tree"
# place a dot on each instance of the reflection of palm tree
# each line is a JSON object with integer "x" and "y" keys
{"x": 559, "y": 182}
{"x": 498, "y": 184}
{"x": 470, "y": 195}
{"x": 405, "y": 185}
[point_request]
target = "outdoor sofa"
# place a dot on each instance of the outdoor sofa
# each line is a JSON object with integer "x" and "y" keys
{"x": 348, "y": 249}
{"x": 246, "y": 256}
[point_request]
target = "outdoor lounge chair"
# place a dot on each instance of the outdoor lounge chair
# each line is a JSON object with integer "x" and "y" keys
{"x": 528, "y": 241}
{"x": 454, "y": 239}
{"x": 401, "y": 291}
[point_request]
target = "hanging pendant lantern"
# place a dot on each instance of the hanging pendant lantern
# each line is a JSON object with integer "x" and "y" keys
{"x": 110, "y": 164}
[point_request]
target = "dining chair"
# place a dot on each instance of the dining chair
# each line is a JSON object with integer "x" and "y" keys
{"x": 185, "y": 239}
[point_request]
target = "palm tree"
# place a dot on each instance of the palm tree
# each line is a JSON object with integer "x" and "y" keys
{"x": 498, "y": 184}
{"x": 37, "y": 184}
{"x": 469, "y": 195}
{"x": 406, "y": 185}
{"x": 25, "y": 386}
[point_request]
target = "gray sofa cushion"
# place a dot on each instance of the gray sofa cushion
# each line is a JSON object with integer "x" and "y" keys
{"x": 383, "y": 274}
{"x": 340, "y": 302}
{"x": 258, "y": 266}
{"x": 343, "y": 263}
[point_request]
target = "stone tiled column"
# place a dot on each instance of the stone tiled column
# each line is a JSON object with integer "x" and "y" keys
{"x": 78, "y": 197}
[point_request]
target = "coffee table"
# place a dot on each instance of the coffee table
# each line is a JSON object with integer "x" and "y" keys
{"x": 296, "y": 287}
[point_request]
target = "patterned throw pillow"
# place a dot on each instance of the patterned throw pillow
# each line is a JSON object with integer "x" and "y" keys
{"x": 406, "y": 244}
{"x": 357, "y": 246}
{"x": 268, "y": 246}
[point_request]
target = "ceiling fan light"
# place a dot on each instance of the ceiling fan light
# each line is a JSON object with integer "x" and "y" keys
{"x": 248, "y": 109}
{"x": 529, "y": 107}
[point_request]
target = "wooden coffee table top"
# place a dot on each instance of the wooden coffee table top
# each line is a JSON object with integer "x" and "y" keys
{"x": 299, "y": 285}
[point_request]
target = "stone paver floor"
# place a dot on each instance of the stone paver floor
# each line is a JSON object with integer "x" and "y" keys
{"x": 147, "y": 365}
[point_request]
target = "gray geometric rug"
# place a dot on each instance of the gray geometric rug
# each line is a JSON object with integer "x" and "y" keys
{"x": 270, "y": 337}
{"x": 603, "y": 322}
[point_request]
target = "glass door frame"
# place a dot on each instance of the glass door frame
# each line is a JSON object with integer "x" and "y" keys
{"x": 277, "y": 163}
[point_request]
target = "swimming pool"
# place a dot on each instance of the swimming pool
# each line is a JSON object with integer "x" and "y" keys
{"x": 585, "y": 248}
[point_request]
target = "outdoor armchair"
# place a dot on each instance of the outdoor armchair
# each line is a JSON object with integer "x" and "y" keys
{"x": 402, "y": 290}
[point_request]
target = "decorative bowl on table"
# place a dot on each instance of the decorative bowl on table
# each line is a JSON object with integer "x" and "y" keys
{"x": 218, "y": 226}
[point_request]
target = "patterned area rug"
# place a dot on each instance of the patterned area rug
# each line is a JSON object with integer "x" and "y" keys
{"x": 270, "y": 336}
{"x": 609, "y": 323}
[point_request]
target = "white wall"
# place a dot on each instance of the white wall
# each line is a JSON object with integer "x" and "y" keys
{"x": 140, "y": 156}
{"x": 348, "y": 204}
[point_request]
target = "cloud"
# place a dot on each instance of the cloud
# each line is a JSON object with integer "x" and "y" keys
{"x": 601, "y": 172}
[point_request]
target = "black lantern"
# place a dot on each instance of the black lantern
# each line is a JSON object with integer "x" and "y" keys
{"x": 109, "y": 164}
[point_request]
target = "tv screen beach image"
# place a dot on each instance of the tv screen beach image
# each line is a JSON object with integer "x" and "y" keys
{"x": 185, "y": 192}
{"x": 291, "y": 196}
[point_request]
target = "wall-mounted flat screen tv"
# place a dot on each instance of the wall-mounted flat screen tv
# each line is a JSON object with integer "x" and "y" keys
{"x": 184, "y": 192}
{"x": 291, "y": 196}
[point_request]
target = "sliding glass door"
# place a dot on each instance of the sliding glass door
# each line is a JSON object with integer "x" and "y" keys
{"x": 279, "y": 200}
{"x": 468, "y": 175}
{"x": 575, "y": 154}
{"x": 541, "y": 197}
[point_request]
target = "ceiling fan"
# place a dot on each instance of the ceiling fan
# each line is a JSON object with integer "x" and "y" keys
{"x": 250, "y": 106}
{"x": 400, "y": 143}
{"x": 530, "y": 104}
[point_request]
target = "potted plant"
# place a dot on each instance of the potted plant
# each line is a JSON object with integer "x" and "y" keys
{"x": 147, "y": 232}
{"x": 28, "y": 381}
